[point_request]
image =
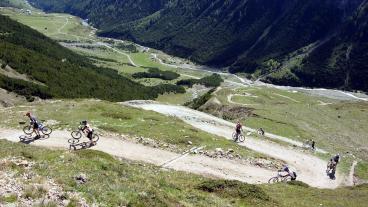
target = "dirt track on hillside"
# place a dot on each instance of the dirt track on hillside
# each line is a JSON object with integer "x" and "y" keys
{"x": 198, "y": 164}
{"x": 310, "y": 168}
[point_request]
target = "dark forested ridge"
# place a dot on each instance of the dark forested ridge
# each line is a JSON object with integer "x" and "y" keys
{"x": 244, "y": 35}
{"x": 61, "y": 72}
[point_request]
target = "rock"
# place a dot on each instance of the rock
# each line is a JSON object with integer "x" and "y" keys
{"x": 230, "y": 151}
{"x": 218, "y": 150}
{"x": 190, "y": 143}
{"x": 81, "y": 178}
{"x": 24, "y": 163}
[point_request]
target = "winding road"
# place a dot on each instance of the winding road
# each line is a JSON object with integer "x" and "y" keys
{"x": 310, "y": 168}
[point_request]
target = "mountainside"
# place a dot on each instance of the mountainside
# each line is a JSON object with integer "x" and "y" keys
{"x": 344, "y": 57}
{"x": 34, "y": 65}
{"x": 244, "y": 35}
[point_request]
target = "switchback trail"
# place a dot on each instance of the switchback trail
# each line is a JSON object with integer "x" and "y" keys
{"x": 310, "y": 168}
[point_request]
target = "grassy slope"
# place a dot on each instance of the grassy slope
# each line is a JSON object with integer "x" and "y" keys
{"x": 135, "y": 184}
{"x": 75, "y": 31}
{"x": 306, "y": 118}
{"x": 125, "y": 120}
{"x": 65, "y": 73}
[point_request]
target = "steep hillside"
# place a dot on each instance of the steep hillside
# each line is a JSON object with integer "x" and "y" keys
{"x": 60, "y": 72}
{"x": 341, "y": 61}
{"x": 243, "y": 34}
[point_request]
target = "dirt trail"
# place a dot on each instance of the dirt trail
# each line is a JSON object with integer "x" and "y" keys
{"x": 351, "y": 180}
{"x": 310, "y": 168}
{"x": 198, "y": 164}
{"x": 230, "y": 99}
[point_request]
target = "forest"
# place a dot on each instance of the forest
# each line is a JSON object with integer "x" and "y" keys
{"x": 63, "y": 73}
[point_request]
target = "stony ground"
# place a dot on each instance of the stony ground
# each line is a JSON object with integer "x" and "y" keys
{"x": 20, "y": 186}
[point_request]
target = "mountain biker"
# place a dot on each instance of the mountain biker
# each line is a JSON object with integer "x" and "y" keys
{"x": 238, "y": 130}
{"x": 286, "y": 169}
{"x": 35, "y": 124}
{"x": 313, "y": 144}
{"x": 86, "y": 128}
{"x": 261, "y": 132}
{"x": 336, "y": 158}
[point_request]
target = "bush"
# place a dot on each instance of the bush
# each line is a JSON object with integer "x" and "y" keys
{"x": 200, "y": 101}
{"x": 298, "y": 183}
{"x": 156, "y": 73}
{"x": 213, "y": 80}
{"x": 231, "y": 188}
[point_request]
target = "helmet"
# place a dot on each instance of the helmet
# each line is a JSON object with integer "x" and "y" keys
{"x": 84, "y": 122}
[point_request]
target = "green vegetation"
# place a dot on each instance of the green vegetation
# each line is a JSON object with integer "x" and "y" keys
{"x": 333, "y": 124}
{"x": 134, "y": 184}
{"x": 21, "y": 4}
{"x": 8, "y": 199}
{"x": 361, "y": 170}
{"x": 126, "y": 47}
{"x": 157, "y": 73}
{"x": 213, "y": 80}
{"x": 229, "y": 188}
{"x": 65, "y": 74}
{"x": 227, "y": 34}
{"x": 117, "y": 118}
{"x": 124, "y": 183}
{"x": 200, "y": 101}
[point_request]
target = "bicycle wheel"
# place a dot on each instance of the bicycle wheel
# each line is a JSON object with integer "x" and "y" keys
{"x": 95, "y": 138}
{"x": 28, "y": 130}
{"x": 273, "y": 180}
{"x": 46, "y": 130}
{"x": 76, "y": 134}
{"x": 234, "y": 136}
{"x": 286, "y": 179}
{"x": 241, "y": 138}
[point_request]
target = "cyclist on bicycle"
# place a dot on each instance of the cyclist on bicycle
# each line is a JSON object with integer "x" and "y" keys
{"x": 35, "y": 124}
{"x": 286, "y": 169}
{"x": 86, "y": 128}
{"x": 238, "y": 130}
{"x": 261, "y": 131}
{"x": 313, "y": 144}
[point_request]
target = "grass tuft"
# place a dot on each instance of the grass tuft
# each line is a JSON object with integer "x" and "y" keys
{"x": 232, "y": 188}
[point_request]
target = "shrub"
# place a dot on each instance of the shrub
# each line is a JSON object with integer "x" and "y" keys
{"x": 231, "y": 188}
{"x": 213, "y": 80}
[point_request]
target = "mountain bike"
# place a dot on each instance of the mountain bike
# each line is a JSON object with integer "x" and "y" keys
{"x": 280, "y": 178}
{"x": 238, "y": 137}
{"x": 46, "y": 130}
{"x": 77, "y": 135}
